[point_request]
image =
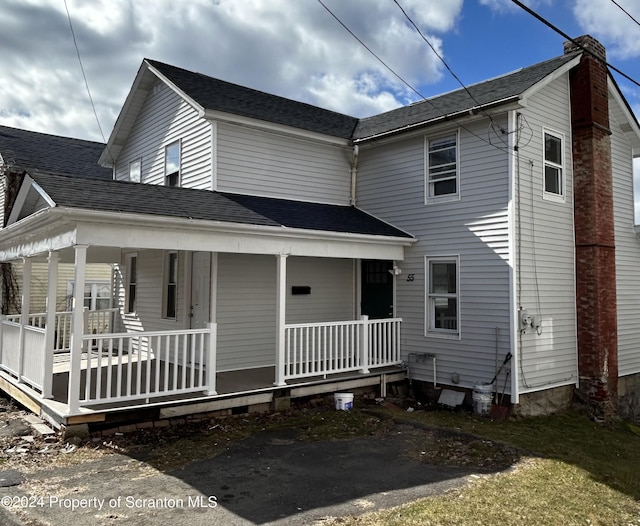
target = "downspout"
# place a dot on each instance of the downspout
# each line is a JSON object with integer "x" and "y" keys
{"x": 514, "y": 249}
{"x": 354, "y": 175}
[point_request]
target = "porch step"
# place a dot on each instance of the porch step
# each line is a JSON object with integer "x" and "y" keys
{"x": 38, "y": 425}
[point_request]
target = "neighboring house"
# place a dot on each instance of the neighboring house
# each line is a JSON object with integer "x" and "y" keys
{"x": 267, "y": 249}
{"x": 22, "y": 152}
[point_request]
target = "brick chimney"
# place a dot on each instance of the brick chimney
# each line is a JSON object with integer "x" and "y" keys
{"x": 594, "y": 230}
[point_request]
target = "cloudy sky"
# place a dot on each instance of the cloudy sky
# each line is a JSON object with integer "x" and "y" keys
{"x": 294, "y": 48}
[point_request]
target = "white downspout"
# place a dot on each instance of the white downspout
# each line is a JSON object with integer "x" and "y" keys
{"x": 354, "y": 175}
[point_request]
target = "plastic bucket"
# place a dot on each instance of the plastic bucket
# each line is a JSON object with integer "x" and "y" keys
{"x": 482, "y": 397}
{"x": 344, "y": 401}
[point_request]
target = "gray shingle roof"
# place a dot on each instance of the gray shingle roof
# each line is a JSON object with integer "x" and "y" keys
{"x": 41, "y": 152}
{"x": 214, "y": 94}
{"x": 223, "y": 96}
{"x": 502, "y": 88}
{"x": 121, "y": 196}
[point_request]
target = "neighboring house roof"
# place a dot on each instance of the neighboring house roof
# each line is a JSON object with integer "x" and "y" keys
{"x": 214, "y": 94}
{"x": 139, "y": 198}
{"x": 40, "y": 152}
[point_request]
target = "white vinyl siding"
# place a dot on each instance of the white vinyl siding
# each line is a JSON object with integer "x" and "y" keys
{"x": 164, "y": 119}
{"x": 475, "y": 228}
{"x": 546, "y": 276}
{"x": 246, "y": 303}
{"x": 259, "y": 163}
{"x": 627, "y": 248}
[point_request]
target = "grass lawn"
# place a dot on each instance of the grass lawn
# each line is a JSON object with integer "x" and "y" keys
{"x": 571, "y": 471}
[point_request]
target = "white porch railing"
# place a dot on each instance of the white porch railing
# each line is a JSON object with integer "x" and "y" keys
{"x": 314, "y": 349}
{"x": 95, "y": 321}
{"x": 23, "y": 352}
{"x": 142, "y": 365}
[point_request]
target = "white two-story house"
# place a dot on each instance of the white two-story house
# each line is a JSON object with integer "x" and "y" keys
{"x": 267, "y": 249}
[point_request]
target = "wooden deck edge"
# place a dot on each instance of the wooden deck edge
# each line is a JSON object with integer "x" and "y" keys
{"x": 215, "y": 405}
{"x": 340, "y": 385}
{"x": 20, "y": 396}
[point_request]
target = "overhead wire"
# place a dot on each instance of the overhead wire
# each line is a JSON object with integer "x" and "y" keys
{"x": 443, "y": 115}
{"x": 625, "y": 12}
{"x": 84, "y": 76}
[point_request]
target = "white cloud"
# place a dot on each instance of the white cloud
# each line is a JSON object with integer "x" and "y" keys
{"x": 288, "y": 47}
{"x": 504, "y": 6}
{"x": 607, "y": 22}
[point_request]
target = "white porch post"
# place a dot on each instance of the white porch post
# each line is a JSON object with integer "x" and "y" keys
{"x": 281, "y": 304}
{"x": 24, "y": 310}
{"x": 77, "y": 329}
{"x": 50, "y": 326}
{"x": 364, "y": 350}
{"x": 213, "y": 327}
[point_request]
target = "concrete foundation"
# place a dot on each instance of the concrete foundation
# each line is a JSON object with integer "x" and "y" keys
{"x": 544, "y": 402}
{"x": 629, "y": 397}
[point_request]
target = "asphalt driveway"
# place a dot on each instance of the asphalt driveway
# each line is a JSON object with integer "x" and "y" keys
{"x": 269, "y": 478}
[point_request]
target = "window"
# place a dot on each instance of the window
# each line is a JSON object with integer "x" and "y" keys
{"x": 132, "y": 282}
{"x": 553, "y": 170}
{"x": 171, "y": 285}
{"x": 172, "y": 164}
{"x": 97, "y": 295}
{"x": 442, "y": 295}
{"x": 442, "y": 167}
{"x": 135, "y": 170}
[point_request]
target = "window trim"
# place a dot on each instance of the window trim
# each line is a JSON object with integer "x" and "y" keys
{"x": 429, "y": 329}
{"x": 95, "y": 283}
{"x": 552, "y": 196}
{"x": 137, "y": 161}
{"x": 167, "y": 285}
{"x": 445, "y": 198}
{"x": 167, "y": 176}
{"x": 128, "y": 285}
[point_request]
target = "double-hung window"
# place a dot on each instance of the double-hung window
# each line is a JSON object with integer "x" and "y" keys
{"x": 442, "y": 168}
{"x": 135, "y": 169}
{"x": 171, "y": 285}
{"x": 553, "y": 166}
{"x": 442, "y": 302}
{"x": 172, "y": 164}
{"x": 97, "y": 294}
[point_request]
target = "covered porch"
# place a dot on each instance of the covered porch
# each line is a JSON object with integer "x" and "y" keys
{"x": 187, "y": 324}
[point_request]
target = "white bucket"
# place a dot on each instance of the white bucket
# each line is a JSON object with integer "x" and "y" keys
{"x": 344, "y": 401}
{"x": 482, "y": 397}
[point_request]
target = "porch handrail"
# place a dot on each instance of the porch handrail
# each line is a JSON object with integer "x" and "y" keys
{"x": 321, "y": 348}
{"x": 141, "y": 365}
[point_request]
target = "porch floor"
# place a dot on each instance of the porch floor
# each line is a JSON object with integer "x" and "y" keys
{"x": 234, "y": 389}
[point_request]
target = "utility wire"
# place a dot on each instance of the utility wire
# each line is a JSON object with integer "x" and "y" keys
{"x": 573, "y": 41}
{"x": 443, "y": 115}
{"x": 625, "y": 12}
{"x": 84, "y": 76}
{"x": 435, "y": 52}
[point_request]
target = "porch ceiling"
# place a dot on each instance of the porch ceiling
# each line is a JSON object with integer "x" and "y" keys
{"x": 106, "y": 233}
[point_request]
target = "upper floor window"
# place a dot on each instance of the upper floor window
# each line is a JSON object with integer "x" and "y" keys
{"x": 135, "y": 170}
{"x": 172, "y": 164}
{"x": 442, "y": 167}
{"x": 442, "y": 295}
{"x": 553, "y": 165}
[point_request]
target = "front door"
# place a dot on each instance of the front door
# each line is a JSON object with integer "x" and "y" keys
{"x": 200, "y": 290}
{"x": 377, "y": 289}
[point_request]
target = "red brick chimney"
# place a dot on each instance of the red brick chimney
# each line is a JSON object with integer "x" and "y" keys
{"x": 594, "y": 229}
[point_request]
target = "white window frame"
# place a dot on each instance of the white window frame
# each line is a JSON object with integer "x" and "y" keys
{"x": 553, "y": 196}
{"x": 129, "y": 283}
{"x": 132, "y": 164}
{"x": 94, "y": 283}
{"x": 167, "y": 174}
{"x": 168, "y": 285}
{"x": 430, "y": 297}
{"x": 429, "y": 196}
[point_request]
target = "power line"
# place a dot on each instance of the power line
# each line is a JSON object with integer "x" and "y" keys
{"x": 443, "y": 115}
{"x": 573, "y": 41}
{"x": 625, "y": 12}
{"x": 84, "y": 76}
